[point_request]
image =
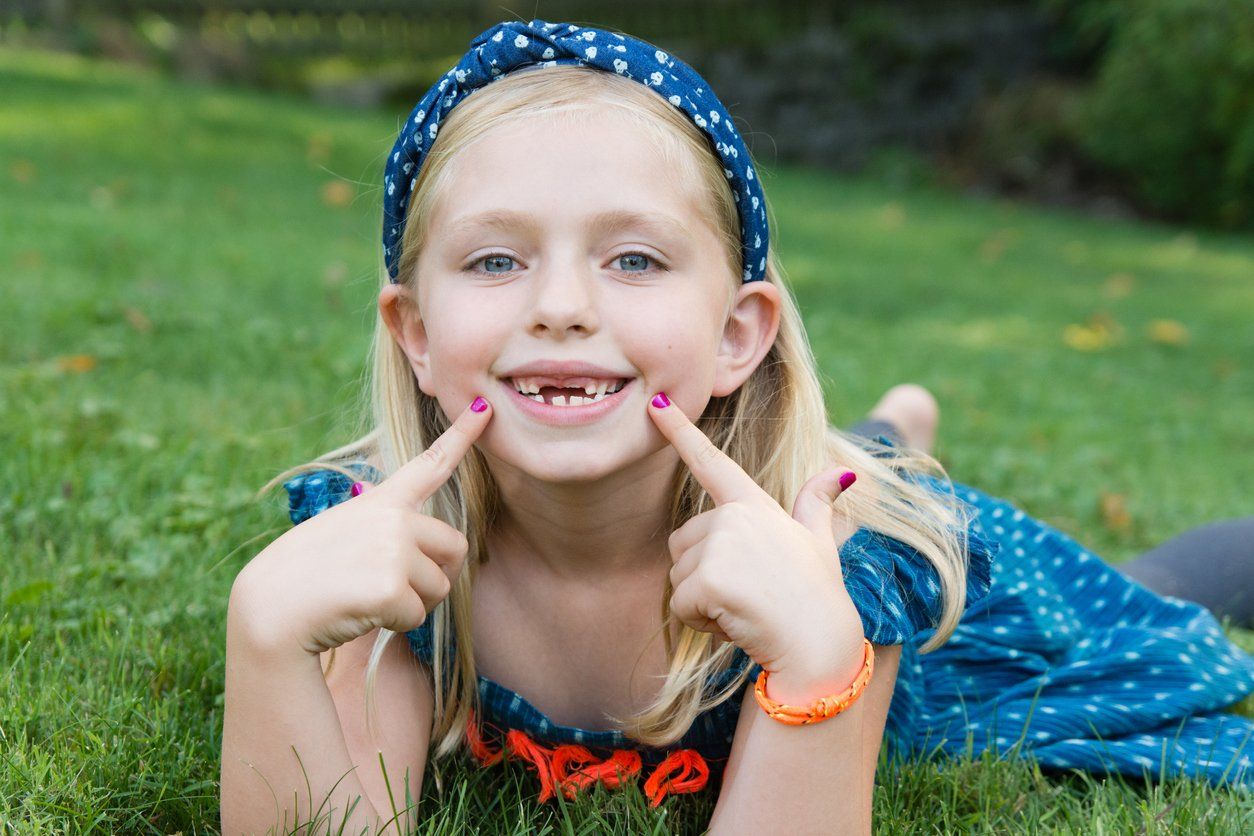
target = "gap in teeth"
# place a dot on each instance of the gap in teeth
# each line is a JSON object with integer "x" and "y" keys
{"x": 595, "y": 393}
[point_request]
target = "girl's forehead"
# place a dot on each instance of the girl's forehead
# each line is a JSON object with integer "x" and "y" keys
{"x": 538, "y": 163}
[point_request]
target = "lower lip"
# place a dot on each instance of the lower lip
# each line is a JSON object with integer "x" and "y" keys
{"x": 567, "y": 416}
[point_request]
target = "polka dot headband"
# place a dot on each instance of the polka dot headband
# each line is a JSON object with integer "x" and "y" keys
{"x": 512, "y": 45}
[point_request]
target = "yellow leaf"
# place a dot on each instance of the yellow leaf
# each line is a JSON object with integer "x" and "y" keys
{"x": 76, "y": 363}
{"x": 1083, "y": 338}
{"x": 1168, "y": 332}
{"x": 337, "y": 193}
{"x": 1101, "y": 331}
{"x": 1114, "y": 507}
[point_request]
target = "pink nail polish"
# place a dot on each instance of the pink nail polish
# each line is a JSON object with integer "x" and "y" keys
{"x": 479, "y": 405}
{"x": 356, "y": 489}
{"x": 846, "y": 479}
{"x": 661, "y": 401}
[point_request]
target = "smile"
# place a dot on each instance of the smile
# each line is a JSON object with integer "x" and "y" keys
{"x": 566, "y": 407}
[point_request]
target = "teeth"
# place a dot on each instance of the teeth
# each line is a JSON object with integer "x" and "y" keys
{"x": 596, "y": 391}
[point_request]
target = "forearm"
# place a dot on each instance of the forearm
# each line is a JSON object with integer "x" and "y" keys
{"x": 817, "y": 778}
{"x": 276, "y": 702}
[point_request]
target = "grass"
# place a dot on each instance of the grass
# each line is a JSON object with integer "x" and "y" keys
{"x": 188, "y": 277}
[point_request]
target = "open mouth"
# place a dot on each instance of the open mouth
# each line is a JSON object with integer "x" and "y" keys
{"x": 572, "y": 397}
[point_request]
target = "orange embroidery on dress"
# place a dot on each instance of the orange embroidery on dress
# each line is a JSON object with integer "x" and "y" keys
{"x": 539, "y": 757}
{"x": 478, "y": 748}
{"x": 552, "y": 766}
{"x": 610, "y": 772}
{"x": 693, "y": 776}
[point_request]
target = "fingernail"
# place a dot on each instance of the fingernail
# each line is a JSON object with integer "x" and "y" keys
{"x": 479, "y": 405}
{"x": 357, "y": 488}
{"x": 661, "y": 401}
{"x": 846, "y": 479}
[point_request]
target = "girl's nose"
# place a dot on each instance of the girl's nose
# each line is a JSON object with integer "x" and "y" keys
{"x": 565, "y": 297}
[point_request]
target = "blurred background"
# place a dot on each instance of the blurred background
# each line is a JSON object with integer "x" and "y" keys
{"x": 1041, "y": 211}
{"x": 1119, "y": 108}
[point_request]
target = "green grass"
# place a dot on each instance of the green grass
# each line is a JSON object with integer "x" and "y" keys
{"x": 176, "y": 236}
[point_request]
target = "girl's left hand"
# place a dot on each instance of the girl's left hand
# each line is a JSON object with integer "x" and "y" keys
{"x": 750, "y": 573}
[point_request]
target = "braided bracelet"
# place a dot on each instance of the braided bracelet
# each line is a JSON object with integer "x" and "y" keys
{"x": 823, "y": 707}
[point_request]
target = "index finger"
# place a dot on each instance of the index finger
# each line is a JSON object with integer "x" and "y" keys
{"x": 722, "y": 478}
{"x": 423, "y": 475}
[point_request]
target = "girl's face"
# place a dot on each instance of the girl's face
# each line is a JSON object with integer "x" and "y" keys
{"x": 576, "y": 242}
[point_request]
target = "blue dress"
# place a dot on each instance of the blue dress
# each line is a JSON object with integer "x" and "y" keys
{"x": 1058, "y": 657}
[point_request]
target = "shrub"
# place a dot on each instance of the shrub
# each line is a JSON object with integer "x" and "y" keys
{"x": 1171, "y": 109}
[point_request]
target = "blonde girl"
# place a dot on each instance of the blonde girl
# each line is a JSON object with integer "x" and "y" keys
{"x": 598, "y": 492}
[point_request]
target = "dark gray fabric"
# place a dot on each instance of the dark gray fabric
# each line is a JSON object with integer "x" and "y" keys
{"x": 870, "y": 428}
{"x": 1212, "y": 565}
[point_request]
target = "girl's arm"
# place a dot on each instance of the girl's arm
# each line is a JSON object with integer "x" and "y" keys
{"x": 277, "y": 699}
{"x": 807, "y": 779}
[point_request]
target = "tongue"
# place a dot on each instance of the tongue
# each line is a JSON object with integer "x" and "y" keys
{"x": 550, "y": 392}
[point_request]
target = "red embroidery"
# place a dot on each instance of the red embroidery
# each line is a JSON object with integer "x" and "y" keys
{"x": 553, "y": 766}
{"x": 692, "y": 777}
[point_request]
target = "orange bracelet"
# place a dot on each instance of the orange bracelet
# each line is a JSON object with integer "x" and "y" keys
{"x": 823, "y": 707}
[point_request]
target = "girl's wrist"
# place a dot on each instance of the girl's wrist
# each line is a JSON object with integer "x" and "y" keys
{"x": 820, "y": 674}
{"x": 828, "y": 660}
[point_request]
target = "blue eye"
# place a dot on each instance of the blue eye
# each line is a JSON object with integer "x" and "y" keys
{"x": 499, "y": 257}
{"x": 634, "y": 255}
{"x": 496, "y": 257}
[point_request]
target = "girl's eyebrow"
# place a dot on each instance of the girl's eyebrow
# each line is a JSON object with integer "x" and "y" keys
{"x": 603, "y": 223}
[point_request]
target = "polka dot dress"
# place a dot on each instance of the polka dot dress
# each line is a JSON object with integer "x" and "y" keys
{"x": 1058, "y": 657}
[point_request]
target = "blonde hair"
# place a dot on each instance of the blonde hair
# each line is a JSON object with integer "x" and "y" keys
{"x": 774, "y": 426}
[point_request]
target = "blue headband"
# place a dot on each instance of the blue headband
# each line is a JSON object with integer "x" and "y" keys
{"x": 512, "y": 45}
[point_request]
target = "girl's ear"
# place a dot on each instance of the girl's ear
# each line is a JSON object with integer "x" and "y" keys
{"x": 400, "y": 314}
{"x": 748, "y": 335}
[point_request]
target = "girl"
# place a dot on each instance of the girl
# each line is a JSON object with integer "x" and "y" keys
{"x": 600, "y": 497}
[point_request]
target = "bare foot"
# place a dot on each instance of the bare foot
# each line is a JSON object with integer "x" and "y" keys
{"x": 913, "y": 411}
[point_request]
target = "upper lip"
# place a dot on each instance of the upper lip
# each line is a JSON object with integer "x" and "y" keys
{"x": 564, "y": 370}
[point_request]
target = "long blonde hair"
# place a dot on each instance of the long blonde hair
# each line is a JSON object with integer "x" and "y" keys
{"x": 774, "y": 426}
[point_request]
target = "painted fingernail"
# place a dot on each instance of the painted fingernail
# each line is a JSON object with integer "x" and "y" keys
{"x": 661, "y": 401}
{"x": 479, "y": 405}
{"x": 846, "y": 479}
{"x": 357, "y": 488}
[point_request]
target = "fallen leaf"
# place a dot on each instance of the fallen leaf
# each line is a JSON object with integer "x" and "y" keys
{"x": 1119, "y": 285}
{"x": 1168, "y": 332}
{"x": 337, "y": 193}
{"x": 1101, "y": 331}
{"x": 1114, "y": 508}
{"x": 76, "y": 363}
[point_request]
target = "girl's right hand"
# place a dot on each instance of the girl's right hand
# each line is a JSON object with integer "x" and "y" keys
{"x": 372, "y": 561}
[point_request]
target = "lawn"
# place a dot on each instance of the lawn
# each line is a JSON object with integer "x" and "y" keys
{"x": 188, "y": 278}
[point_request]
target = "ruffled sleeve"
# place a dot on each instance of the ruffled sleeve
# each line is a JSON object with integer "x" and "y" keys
{"x": 315, "y": 491}
{"x": 895, "y": 588}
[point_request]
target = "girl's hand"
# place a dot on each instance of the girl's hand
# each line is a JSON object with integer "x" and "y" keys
{"x": 372, "y": 561}
{"x": 753, "y": 575}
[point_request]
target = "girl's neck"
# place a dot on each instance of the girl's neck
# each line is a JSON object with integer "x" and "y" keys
{"x": 586, "y": 535}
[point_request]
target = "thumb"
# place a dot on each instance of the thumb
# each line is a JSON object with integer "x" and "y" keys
{"x": 359, "y": 488}
{"x": 813, "y": 507}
